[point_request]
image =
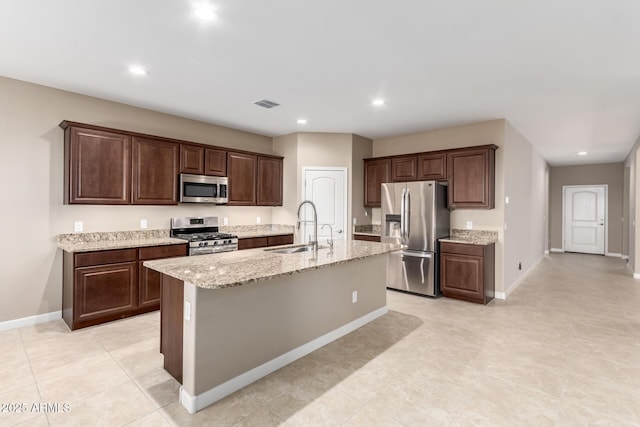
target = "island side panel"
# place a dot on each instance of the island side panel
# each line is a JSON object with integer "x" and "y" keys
{"x": 237, "y": 329}
{"x": 171, "y": 324}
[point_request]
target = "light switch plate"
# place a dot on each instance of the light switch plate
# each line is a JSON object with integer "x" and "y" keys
{"x": 78, "y": 226}
{"x": 354, "y": 297}
{"x": 506, "y": 200}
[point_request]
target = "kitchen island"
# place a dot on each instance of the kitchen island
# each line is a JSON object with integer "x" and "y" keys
{"x": 231, "y": 318}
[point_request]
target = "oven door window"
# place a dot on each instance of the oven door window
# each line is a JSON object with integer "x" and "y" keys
{"x": 196, "y": 189}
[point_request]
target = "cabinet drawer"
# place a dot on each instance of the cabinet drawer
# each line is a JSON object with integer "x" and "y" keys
{"x": 462, "y": 249}
{"x": 104, "y": 257}
{"x": 252, "y": 242}
{"x": 280, "y": 240}
{"x": 157, "y": 252}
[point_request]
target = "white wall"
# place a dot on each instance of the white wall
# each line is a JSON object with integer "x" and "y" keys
{"x": 31, "y": 168}
{"x": 525, "y": 215}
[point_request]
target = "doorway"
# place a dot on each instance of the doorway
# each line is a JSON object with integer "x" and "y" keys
{"x": 326, "y": 187}
{"x": 585, "y": 218}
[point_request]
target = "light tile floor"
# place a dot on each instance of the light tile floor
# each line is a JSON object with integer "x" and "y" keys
{"x": 563, "y": 350}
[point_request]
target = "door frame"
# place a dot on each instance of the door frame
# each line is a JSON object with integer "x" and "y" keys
{"x": 606, "y": 212}
{"x": 345, "y": 170}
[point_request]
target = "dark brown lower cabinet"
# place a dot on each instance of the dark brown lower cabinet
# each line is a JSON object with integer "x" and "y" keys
{"x": 102, "y": 286}
{"x": 171, "y": 325}
{"x": 467, "y": 271}
{"x": 366, "y": 237}
{"x": 263, "y": 242}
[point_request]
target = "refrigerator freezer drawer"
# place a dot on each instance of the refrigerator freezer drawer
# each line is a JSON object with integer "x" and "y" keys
{"x": 412, "y": 272}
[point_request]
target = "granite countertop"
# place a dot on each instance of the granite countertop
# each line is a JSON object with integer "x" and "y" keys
{"x": 237, "y": 268}
{"x": 89, "y": 242}
{"x": 367, "y": 230}
{"x": 248, "y": 231}
{"x": 472, "y": 237}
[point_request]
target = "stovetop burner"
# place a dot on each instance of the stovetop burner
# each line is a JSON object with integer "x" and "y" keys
{"x": 198, "y": 237}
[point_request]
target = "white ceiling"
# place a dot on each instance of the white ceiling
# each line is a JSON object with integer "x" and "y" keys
{"x": 565, "y": 73}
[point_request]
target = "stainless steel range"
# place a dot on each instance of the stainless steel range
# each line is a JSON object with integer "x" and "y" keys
{"x": 203, "y": 235}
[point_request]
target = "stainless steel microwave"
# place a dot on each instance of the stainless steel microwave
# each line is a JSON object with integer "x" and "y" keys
{"x": 203, "y": 189}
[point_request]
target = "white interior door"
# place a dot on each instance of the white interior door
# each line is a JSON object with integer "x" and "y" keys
{"x": 585, "y": 219}
{"x": 327, "y": 189}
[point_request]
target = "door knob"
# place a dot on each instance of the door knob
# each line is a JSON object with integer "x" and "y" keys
{"x": 339, "y": 231}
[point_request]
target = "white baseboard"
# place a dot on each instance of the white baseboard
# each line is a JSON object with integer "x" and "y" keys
{"x": 30, "y": 321}
{"x": 195, "y": 403}
{"x": 614, "y": 254}
{"x": 546, "y": 251}
{"x": 505, "y": 295}
{"x": 557, "y": 250}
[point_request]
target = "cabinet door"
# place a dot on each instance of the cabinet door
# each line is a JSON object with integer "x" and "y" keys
{"x": 404, "y": 168}
{"x": 191, "y": 159}
{"x": 471, "y": 178}
{"x": 462, "y": 276}
{"x": 149, "y": 280}
{"x": 155, "y": 172}
{"x": 432, "y": 166}
{"x": 97, "y": 167}
{"x": 242, "y": 170}
{"x": 376, "y": 172}
{"x": 105, "y": 292}
{"x": 215, "y": 163}
{"x": 269, "y": 181}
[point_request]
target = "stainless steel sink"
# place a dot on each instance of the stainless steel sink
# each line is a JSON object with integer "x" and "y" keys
{"x": 293, "y": 249}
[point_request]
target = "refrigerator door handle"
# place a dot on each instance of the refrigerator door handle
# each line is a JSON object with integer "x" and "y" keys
{"x": 402, "y": 214}
{"x": 407, "y": 214}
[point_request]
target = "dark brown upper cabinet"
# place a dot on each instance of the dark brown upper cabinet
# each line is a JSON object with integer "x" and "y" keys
{"x": 215, "y": 162}
{"x": 155, "y": 171}
{"x": 432, "y": 166}
{"x": 97, "y": 166}
{"x": 191, "y": 159}
{"x": 241, "y": 169}
{"x": 404, "y": 168}
{"x": 471, "y": 173}
{"x": 376, "y": 172}
{"x": 199, "y": 160}
{"x": 269, "y": 181}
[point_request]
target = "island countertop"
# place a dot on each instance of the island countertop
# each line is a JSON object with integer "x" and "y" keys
{"x": 227, "y": 269}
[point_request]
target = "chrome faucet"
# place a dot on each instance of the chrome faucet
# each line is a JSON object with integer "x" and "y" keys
{"x": 314, "y": 242}
{"x": 330, "y": 240}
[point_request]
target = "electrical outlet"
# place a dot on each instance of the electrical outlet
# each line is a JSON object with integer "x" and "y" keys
{"x": 187, "y": 311}
{"x": 258, "y": 220}
{"x": 506, "y": 200}
{"x": 225, "y": 221}
{"x": 143, "y": 223}
{"x": 355, "y": 220}
{"x": 78, "y": 226}
{"x": 354, "y": 297}
{"x": 469, "y": 225}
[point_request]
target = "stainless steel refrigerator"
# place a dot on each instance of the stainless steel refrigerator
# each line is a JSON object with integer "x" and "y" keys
{"x": 415, "y": 215}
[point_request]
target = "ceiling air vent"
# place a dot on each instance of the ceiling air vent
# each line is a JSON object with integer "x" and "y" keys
{"x": 266, "y": 103}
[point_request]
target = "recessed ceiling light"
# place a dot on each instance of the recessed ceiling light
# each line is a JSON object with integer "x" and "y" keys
{"x": 205, "y": 12}
{"x": 138, "y": 70}
{"x": 302, "y": 121}
{"x": 582, "y": 153}
{"x": 378, "y": 101}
